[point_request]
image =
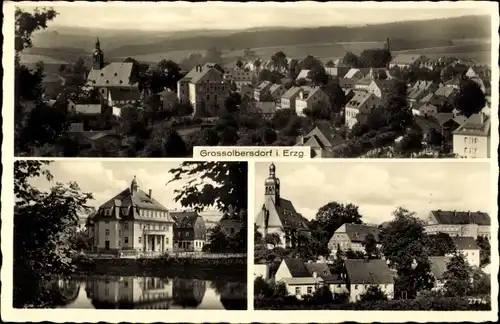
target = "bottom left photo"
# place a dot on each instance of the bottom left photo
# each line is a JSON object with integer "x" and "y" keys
{"x": 130, "y": 234}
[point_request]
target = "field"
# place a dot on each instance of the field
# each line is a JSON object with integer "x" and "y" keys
{"x": 476, "y": 49}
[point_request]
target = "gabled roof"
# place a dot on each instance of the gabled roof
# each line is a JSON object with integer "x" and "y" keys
{"x": 293, "y": 91}
{"x": 119, "y": 95}
{"x": 327, "y": 137}
{"x": 368, "y": 271}
{"x": 476, "y": 125}
{"x": 427, "y": 106}
{"x": 126, "y": 200}
{"x": 322, "y": 269}
{"x": 427, "y": 123}
{"x": 297, "y": 268}
{"x": 445, "y": 92}
{"x": 274, "y": 88}
{"x": 186, "y": 219}
{"x": 89, "y": 109}
{"x": 263, "y": 85}
{"x": 438, "y": 266}
{"x": 460, "y": 217}
{"x": 406, "y": 59}
{"x": 289, "y": 217}
{"x": 113, "y": 74}
{"x": 358, "y": 232}
{"x": 465, "y": 243}
{"x": 359, "y": 99}
{"x": 198, "y": 72}
{"x": 303, "y": 74}
{"x": 351, "y": 73}
{"x": 309, "y": 92}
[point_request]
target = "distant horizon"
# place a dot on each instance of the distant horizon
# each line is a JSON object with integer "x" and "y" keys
{"x": 223, "y": 17}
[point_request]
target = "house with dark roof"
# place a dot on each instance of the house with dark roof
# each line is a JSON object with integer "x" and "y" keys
{"x": 204, "y": 87}
{"x": 381, "y": 87}
{"x": 468, "y": 247}
{"x": 473, "y": 138}
{"x": 278, "y": 215}
{"x": 301, "y": 278}
{"x": 133, "y": 222}
{"x": 115, "y": 75}
{"x": 189, "y": 231}
{"x": 321, "y": 139}
{"x": 459, "y": 223}
{"x": 351, "y": 237}
{"x": 276, "y": 91}
{"x": 364, "y": 273}
{"x": 404, "y": 61}
{"x": 361, "y": 103}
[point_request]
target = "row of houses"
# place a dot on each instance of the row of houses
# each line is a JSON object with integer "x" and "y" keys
{"x": 133, "y": 221}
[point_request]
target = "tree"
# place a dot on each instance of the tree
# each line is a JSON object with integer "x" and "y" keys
{"x": 273, "y": 239}
{"x": 170, "y": 74}
{"x": 213, "y": 55}
{"x": 43, "y": 224}
{"x": 404, "y": 243}
{"x": 370, "y": 245}
{"x": 336, "y": 96}
{"x": 318, "y": 75}
{"x": 322, "y": 296}
{"x": 441, "y": 244}
{"x": 257, "y": 64}
{"x": 217, "y": 241}
{"x": 411, "y": 142}
{"x": 485, "y": 250}
{"x": 228, "y": 185}
{"x": 262, "y": 288}
{"x": 239, "y": 64}
{"x": 271, "y": 76}
{"x": 350, "y": 59}
{"x": 374, "y": 58}
{"x": 279, "y": 60}
{"x": 207, "y": 137}
{"x": 328, "y": 219}
{"x": 457, "y": 276}
{"x": 232, "y": 103}
{"x": 434, "y": 138}
{"x": 80, "y": 70}
{"x": 310, "y": 63}
{"x": 373, "y": 293}
{"x": 293, "y": 69}
{"x": 470, "y": 99}
{"x": 28, "y": 83}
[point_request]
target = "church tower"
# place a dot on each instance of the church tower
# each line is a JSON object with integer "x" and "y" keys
{"x": 97, "y": 56}
{"x": 134, "y": 186}
{"x": 272, "y": 185}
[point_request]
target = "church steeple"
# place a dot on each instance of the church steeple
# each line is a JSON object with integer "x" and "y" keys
{"x": 97, "y": 56}
{"x": 134, "y": 186}
{"x": 272, "y": 184}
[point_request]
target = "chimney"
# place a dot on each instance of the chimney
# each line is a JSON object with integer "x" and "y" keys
{"x": 315, "y": 274}
{"x": 150, "y": 193}
{"x": 454, "y": 213}
{"x": 481, "y": 117}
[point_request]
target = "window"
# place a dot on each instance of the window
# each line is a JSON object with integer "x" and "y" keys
{"x": 465, "y": 150}
{"x": 297, "y": 290}
{"x": 166, "y": 240}
{"x": 338, "y": 286}
{"x": 106, "y": 222}
{"x": 465, "y": 140}
{"x": 119, "y": 243}
{"x": 187, "y": 234}
{"x": 125, "y": 226}
{"x": 208, "y": 97}
{"x": 125, "y": 284}
{"x": 126, "y": 239}
{"x": 139, "y": 239}
{"x": 106, "y": 231}
{"x": 119, "y": 232}
{"x": 355, "y": 287}
{"x": 309, "y": 290}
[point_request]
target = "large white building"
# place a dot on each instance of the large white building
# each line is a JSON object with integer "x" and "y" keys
{"x": 473, "y": 138}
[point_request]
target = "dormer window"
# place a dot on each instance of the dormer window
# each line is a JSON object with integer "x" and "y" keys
{"x": 102, "y": 74}
{"x": 116, "y": 74}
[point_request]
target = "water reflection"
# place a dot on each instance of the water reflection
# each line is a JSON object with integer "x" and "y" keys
{"x": 107, "y": 292}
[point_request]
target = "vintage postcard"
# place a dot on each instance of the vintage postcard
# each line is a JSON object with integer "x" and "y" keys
{"x": 241, "y": 162}
{"x": 369, "y": 80}
{"x": 378, "y": 236}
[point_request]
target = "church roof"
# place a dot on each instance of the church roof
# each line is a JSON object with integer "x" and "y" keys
{"x": 289, "y": 217}
{"x": 114, "y": 74}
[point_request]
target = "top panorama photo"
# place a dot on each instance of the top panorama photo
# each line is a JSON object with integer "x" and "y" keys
{"x": 348, "y": 82}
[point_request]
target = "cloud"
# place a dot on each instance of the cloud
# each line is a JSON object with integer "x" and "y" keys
{"x": 378, "y": 188}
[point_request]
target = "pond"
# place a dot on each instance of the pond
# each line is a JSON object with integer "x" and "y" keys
{"x": 142, "y": 292}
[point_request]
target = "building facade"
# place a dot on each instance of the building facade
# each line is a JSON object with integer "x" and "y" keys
{"x": 459, "y": 223}
{"x": 189, "y": 231}
{"x": 133, "y": 222}
{"x": 473, "y": 138}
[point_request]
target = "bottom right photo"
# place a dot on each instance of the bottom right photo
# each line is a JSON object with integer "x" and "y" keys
{"x": 373, "y": 235}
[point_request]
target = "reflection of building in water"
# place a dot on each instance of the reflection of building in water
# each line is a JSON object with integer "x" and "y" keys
{"x": 131, "y": 292}
{"x": 188, "y": 293}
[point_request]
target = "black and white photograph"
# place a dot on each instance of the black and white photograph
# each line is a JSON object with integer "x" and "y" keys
{"x": 157, "y": 79}
{"x": 130, "y": 235}
{"x": 373, "y": 236}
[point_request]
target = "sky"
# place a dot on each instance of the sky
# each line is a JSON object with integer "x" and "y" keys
{"x": 378, "y": 188}
{"x": 105, "y": 179}
{"x": 218, "y": 15}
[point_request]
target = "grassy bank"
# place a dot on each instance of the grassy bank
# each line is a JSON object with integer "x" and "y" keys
{"x": 206, "y": 269}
